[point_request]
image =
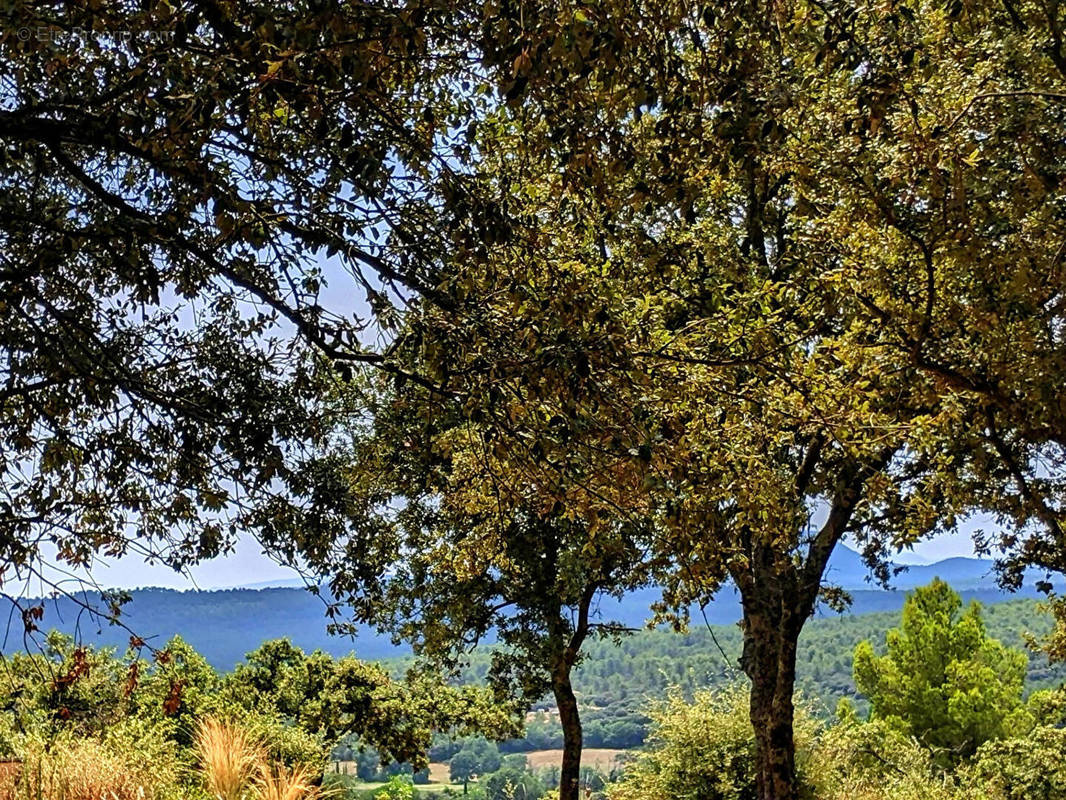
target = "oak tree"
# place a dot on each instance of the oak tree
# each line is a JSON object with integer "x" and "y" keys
{"x": 437, "y": 559}
{"x": 745, "y": 239}
{"x": 178, "y": 179}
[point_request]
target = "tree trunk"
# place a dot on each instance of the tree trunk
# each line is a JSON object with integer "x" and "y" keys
{"x": 770, "y": 661}
{"x": 570, "y": 773}
{"x": 779, "y": 596}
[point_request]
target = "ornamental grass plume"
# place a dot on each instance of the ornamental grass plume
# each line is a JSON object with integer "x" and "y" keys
{"x": 86, "y": 770}
{"x": 284, "y": 783}
{"x": 229, "y": 758}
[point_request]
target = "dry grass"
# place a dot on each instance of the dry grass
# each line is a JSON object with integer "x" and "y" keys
{"x": 282, "y": 783}
{"x": 84, "y": 770}
{"x": 440, "y": 772}
{"x": 602, "y": 758}
{"x": 235, "y": 767}
{"x": 230, "y": 759}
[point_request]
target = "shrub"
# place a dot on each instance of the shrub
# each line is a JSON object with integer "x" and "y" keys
{"x": 399, "y": 787}
{"x": 89, "y": 769}
{"x": 702, "y": 750}
{"x": 1027, "y": 768}
{"x": 854, "y": 760}
{"x": 513, "y": 784}
{"x": 285, "y": 743}
{"x": 943, "y": 679}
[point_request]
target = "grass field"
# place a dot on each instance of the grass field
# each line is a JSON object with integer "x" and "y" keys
{"x": 602, "y": 758}
{"x": 438, "y": 777}
{"x": 423, "y": 788}
{"x": 439, "y": 772}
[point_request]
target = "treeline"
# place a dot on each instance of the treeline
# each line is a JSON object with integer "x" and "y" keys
{"x": 615, "y": 681}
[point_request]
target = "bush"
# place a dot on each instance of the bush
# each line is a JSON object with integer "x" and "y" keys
{"x": 1027, "y": 768}
{"x": 89, "y": 769}
{"x": 229, "y": 759}
{"x": 399, "y": 787}
{"x": 704, "y": 749}
{"x": 513, "y": 784}
{"x": 854, "y": 760}
{"x": 286, "y": 743}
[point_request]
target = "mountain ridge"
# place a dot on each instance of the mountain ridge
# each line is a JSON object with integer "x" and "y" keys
{"x": 224, "y": 624}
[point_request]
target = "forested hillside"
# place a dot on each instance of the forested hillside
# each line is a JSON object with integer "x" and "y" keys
{"x": 225, "y": 625}
{"x": 615, "y": 682}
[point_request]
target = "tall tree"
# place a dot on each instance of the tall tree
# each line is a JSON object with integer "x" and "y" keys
{"x": 711, "y": 209}
{"x": 942, "y": 679}
{"x": 441, "y": 560}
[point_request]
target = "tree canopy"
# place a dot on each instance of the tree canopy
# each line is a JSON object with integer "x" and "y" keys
{"x": 178, "y": 180}
{"x": 753, "y": 278}
{"x": 780, "y": 273}
{"x": 428, "y": 562}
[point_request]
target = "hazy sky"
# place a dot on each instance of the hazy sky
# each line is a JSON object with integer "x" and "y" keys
{"x": 247, "y": 564}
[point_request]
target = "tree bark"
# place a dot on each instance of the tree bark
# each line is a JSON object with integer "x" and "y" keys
{"x": 770, "y": 642}
{"x": 561, "y": 669}
{"x": 570, "y": 772}
{"x": 778, "y": 597}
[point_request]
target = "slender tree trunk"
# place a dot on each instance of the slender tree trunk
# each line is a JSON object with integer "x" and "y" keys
{"x": 561, "y": 669}
{"x": 570, "y": 773}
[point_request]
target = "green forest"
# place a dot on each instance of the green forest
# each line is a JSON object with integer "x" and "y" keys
{"x": 530, "y": 335}
{"x": 615, "y": 682}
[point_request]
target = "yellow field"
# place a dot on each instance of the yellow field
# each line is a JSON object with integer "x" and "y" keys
{"x": 603, "y": 758}
{"x": 439, "y": 772}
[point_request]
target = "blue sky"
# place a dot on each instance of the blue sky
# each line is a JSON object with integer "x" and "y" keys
{"x": 248, "y": 564}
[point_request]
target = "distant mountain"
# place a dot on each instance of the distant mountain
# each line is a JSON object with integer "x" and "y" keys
{"x": 226, "y": 624}
{"x": 277, "y": 583}
{"x": 223, "y": 625}
{"x": 847, "y": 569}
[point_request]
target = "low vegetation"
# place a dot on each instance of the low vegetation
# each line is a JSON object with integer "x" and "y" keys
{"x": 944, "y": 711}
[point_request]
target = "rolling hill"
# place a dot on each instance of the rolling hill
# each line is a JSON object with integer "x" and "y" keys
{"x": 226, "y": 624}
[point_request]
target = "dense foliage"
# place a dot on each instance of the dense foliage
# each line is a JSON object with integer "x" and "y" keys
{"x": 298, "y": 707}
{"x": 701, "y": 748}
{"x": 705, "y": 749}
{"x": 174, "y": 176}
{"x": 706, "y": 288}
{"x": 752, "y": 290}
{"x": 943, "y": 680}
{"x": 615, "y": 679}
